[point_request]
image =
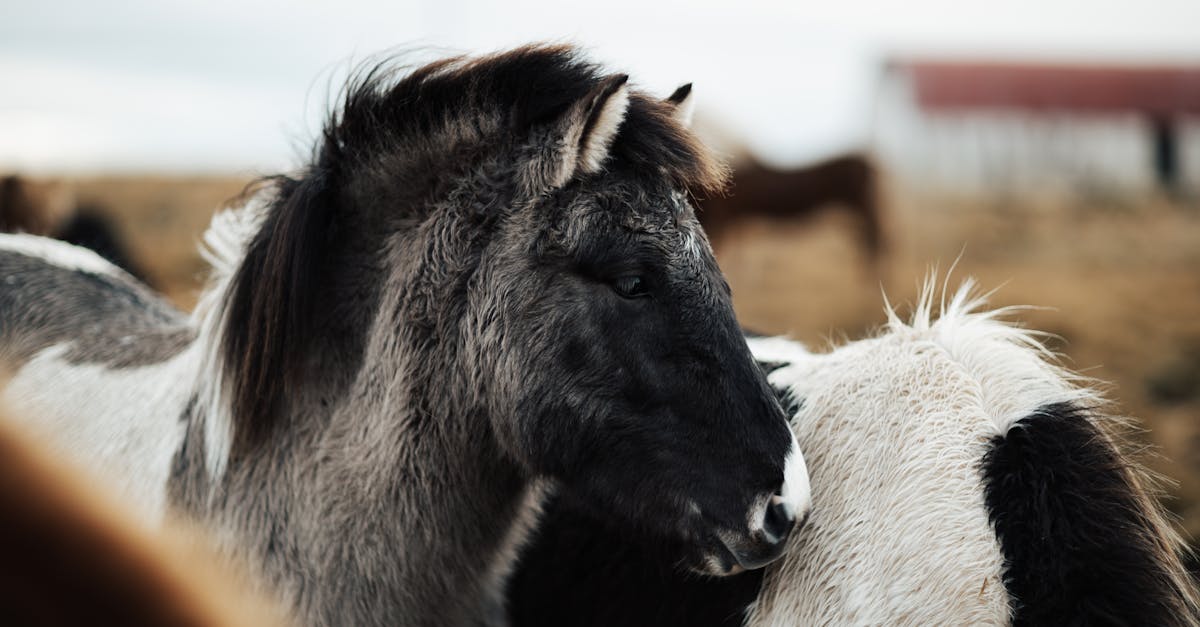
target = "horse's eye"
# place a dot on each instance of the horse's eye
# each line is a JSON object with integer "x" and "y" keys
{"x": 630, "y": 286}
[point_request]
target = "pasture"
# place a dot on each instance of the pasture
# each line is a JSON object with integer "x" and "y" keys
{"x": 1118, "y": 279}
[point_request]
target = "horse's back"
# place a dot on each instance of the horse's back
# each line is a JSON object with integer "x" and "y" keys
{"x": 961, "y": 478}
{"x": 895, "y": 429}
{"x": 52, "y": 292}
{"x": 80, "y": 337}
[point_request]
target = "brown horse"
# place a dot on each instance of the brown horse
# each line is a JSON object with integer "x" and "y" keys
{"x": 25, "y": 207}
{"x": 761, "y": 191}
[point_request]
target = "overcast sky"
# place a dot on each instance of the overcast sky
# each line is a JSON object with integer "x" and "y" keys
{"x": 219, "y": 85}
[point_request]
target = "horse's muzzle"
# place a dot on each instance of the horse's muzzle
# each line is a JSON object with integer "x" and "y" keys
{"x": 767, "y": 541}
{"x": 781, "y": 514}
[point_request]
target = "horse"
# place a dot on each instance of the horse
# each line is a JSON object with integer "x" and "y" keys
{"x": 846, "y": 182}
{"x": 488, "y": 283}
{"x": 960, "y": 477}
{"x": 26, "y": 207}
{"x": 75, "y": 556}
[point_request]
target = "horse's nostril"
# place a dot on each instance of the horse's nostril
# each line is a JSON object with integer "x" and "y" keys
{"x": 778, "y": 521}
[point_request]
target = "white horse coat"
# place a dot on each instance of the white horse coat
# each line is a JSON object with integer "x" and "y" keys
{"x": 897, "y": 431}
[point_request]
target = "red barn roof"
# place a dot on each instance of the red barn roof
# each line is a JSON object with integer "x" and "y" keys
{"x": 1157, "y": 90}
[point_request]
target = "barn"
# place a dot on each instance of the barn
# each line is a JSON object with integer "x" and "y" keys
{"x": 1004, "y": 127}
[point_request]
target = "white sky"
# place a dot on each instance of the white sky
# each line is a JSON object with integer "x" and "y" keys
{"x": 219, "y": 85}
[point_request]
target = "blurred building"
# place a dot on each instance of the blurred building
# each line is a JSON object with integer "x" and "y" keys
{"x": 1000, "y": 127}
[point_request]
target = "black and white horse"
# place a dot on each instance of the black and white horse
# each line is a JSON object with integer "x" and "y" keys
{"x": 959, "y": 478}
{"x": 489, "y": 278}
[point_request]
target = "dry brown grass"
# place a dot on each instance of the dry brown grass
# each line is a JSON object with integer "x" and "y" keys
{"x": 162, "y": 220}
{"x": 1119, "y": 279}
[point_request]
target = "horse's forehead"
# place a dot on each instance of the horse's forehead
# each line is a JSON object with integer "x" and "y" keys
{"x": 667, "y": 211}
{"x": 664, "y": 216}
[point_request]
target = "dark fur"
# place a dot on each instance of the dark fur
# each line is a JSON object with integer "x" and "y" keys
{"x": 271, "y": 302}
{"x": 1081, "y": 540}
{"x": 581, "y": 571}
{"x": 680, "y": 94}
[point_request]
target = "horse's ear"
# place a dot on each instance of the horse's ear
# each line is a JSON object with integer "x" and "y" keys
{"x": 581, "y": 137}
{"x": 268, "y": 316}
{"x": 603, "y": 117}
{"x": 684, "y": 104}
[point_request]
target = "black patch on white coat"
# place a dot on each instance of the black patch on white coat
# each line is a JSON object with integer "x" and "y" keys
{"x": 1079, "y": 545}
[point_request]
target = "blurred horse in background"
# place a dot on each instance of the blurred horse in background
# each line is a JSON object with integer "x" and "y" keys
{"x": 845, "y": 183}
{"x": 50, "y": 210}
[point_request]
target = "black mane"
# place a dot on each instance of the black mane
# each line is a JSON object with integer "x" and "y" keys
{"x": 518, "y": 89}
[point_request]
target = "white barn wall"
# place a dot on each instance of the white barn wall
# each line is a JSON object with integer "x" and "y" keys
{"x": 1000, "y": 150}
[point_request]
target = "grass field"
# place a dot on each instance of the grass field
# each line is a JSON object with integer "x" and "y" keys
{"x": 1117, "y": 281}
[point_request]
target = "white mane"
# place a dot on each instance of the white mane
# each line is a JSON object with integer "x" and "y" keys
{"x": 1015, "y": 371}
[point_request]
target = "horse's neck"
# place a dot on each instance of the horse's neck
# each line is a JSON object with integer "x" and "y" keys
{"x": 390, "y": 501}
{"x": 440, "y": 500}
{"x": 398, "y": 494}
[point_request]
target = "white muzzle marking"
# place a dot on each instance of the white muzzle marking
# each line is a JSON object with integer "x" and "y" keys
{"x": 796, "y": 494}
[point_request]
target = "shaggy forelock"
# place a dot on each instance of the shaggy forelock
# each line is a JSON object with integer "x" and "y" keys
{"x": 459, "y": 106}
